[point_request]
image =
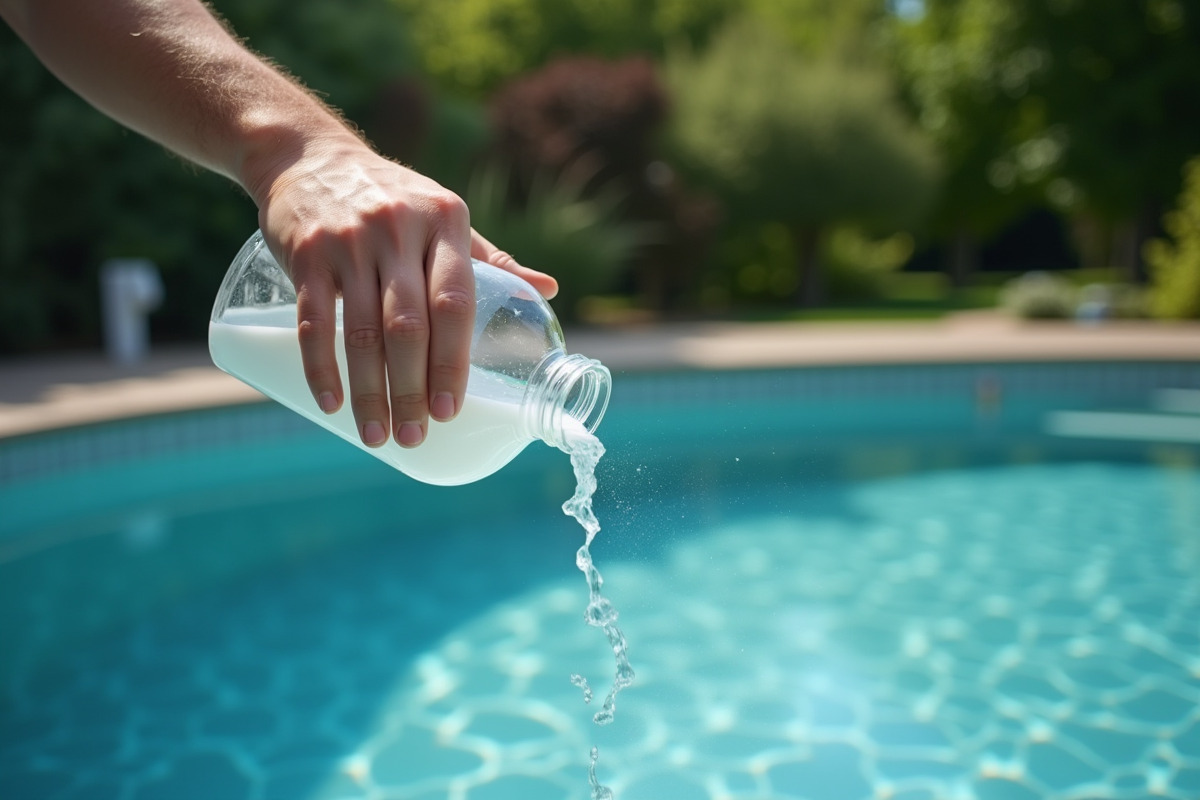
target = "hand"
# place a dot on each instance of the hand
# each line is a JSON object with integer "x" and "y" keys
{"x": 396, "y": 246}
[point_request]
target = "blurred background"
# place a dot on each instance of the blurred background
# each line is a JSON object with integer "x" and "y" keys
{"x": 681, "y": 159}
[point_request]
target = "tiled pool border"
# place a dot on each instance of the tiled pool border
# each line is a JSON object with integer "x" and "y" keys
{"x": 1112, "y": 383}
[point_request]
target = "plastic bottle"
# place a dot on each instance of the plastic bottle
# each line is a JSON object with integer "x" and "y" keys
{"x": 522, "y": 385}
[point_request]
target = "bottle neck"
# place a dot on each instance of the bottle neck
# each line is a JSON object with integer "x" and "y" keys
{"x": 565, "y": 392}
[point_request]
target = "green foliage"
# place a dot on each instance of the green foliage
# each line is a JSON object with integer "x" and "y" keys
{"x": 472, "y": 46}
{"x": 855, "y": 31}
{"x": 762, "y": 259}
{"x": 860, "y": 265}
{"x": 967, "y": 77}
{"x": 594, "y": 118}
{"x": 786, "y": 140}
{"x": 458, "y": 138}
{"x": 76, "y": 188}
{"x": 1121, "y": 80}
{"x": 595, "y": 123}
{"x": 345, "y": 51}
{"x": 807, "y": 144}
{"x": 1175, "y": 262}
{"x": 582, "y": 241}
{"x": 1092, "y": 104}
{"x": 1088, "y": 108}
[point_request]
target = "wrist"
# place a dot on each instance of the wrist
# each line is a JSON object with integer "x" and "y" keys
{"x": 273, "y": 148}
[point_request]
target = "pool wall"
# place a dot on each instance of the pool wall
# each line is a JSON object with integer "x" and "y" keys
{"x": 809, "y": 407}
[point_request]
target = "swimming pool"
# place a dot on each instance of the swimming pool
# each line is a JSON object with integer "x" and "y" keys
{"x": 836, "y": 583}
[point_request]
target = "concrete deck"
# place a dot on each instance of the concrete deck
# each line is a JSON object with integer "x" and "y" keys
{"x": 65, "y": 390}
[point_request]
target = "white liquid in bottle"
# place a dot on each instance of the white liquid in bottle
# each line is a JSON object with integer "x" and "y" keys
{"x": 522, "y": 382}
{"x": 486, "y": 434}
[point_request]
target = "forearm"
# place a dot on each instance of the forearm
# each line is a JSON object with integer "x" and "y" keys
{"x": 169, "y": 70}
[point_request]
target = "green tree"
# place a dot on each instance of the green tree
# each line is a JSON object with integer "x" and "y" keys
{"x": 1093, "y": 104}
{"x": 808, "y": 144}
{"x": 472, "y": 46}
{"x": 1175, "y": 262}
{"x": 1124, "y": 77}
{"x": 1121, "y": 79}
{"x": 852, "y": 31}
{"x": 968, "y": 79}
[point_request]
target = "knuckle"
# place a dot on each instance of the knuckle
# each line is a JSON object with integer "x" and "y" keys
{"x": 408, "y": 401}
{"x": 454, "y": 303}
{"x": 406, "y": 327}
{"x": 310, "y": 247}
{"x": 391, "y": 214}
{"x": 502, "y": 259}
{"x": 445, "y": 373}
{"x": 319, "y": 375}
{"x": 449, "y": 205}
{"x": 366, "y": 337}
{"x": 366, "y": 402}
{"x": 311, "y": 331}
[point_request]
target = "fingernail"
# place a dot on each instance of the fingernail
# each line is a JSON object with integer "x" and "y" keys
{"x": 442, "y": 407}
{"x": 327, "y": 402}
{"x": 374, "y": 434}
{"x": 410, "y": 434}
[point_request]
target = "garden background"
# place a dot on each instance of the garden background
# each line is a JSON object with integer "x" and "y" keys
{"x": 667, "y": 159}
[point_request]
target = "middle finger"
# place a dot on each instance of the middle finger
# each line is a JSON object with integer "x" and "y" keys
{"x": 363, "y": 331}
{"x": 406, "y": 340}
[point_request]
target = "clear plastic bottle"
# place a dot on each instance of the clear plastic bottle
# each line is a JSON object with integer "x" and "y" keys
{"x": 522, "y": 386}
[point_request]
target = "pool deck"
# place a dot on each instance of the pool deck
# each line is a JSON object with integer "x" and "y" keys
{"x": 49, "y": 392}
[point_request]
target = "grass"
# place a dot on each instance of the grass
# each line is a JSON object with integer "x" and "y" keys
{"x": 912, "y": 296}
{"x": 901, "y": 296}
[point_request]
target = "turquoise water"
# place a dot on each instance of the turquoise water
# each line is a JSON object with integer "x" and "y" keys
{"x": 826, "y": 594}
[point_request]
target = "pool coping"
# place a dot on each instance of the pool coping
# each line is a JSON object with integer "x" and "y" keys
{"x": 69, "y": 390}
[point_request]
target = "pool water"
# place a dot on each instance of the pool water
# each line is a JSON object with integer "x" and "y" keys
{"x": 934, "y": 599}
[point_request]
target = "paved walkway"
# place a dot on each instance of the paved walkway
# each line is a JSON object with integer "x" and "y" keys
{"x": 59, "y": 391}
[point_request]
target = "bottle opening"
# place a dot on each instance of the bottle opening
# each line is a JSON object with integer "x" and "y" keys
{"x": 567, "y": 392}
{"x": 587, "y": 397}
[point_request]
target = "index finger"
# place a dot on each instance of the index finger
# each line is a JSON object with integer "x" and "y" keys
{"x": 485, "y": 251}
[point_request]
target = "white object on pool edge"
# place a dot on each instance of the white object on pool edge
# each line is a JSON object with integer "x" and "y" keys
{"x": 1124, "y": 425}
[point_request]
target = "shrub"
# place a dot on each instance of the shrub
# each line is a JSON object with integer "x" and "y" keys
{"x": 583, "y": 241}
{"x": 1174, "y": 263}
{"x": 1040, "y": 295}
{"x": 592, "y": 125}
{"x": 859, "y": 264}
{"x": 588, "y": 116}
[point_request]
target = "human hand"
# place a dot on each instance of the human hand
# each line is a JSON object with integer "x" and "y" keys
{"x": 397, "y": 247}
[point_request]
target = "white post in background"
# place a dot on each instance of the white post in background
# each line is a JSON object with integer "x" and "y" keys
{"x": 130, "y": 289}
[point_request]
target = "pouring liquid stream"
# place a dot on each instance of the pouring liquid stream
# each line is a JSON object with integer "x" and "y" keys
{"x": 585, "y": 451}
